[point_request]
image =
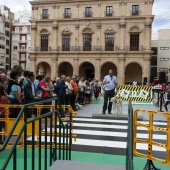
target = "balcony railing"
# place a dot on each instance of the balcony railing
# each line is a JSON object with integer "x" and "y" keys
{"x": 22, "y": 41}
{"x": 135, "y": 13}
{"x": 45, "y": 16}
{"x": 22, "y": 50}
{"x": 21, "y": 32}
{"x": 22, "y": 59}
{"x": 134, "y": 48}
{"x": 67, "y": 15}
{"x": 108, "y": 14}
{"x": 76, "y": 49}
{"x": 88, "y": 14}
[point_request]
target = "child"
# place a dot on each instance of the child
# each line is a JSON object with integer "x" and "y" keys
{"x": 167, "y": 99}
{"x": 3, "y": 100}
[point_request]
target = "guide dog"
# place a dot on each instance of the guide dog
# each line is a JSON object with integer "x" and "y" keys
{"x": 117, "y": 105}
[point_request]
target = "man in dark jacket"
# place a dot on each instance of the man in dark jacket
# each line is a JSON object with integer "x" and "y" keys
{"x": 62, "y": 90}
{"x": 29, "y": 92}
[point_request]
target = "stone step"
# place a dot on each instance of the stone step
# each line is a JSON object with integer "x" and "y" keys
{"x": 73, "y": 165}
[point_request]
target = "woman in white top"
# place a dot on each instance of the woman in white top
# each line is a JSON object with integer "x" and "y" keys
{"x": 68, "y": 92}
{"x": 82, "y": 86}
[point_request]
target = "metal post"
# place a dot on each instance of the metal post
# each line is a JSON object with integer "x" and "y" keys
{"x": 161, "y": 98}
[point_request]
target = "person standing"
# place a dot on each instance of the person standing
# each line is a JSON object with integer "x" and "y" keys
{"x": 110, "y": 82}
{"x": 74, "y": 93}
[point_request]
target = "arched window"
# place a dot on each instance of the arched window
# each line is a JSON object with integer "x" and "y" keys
{"x": 134, "y": 38}
{"x": 87, "y": 39}
{"x": 44, "y": 39}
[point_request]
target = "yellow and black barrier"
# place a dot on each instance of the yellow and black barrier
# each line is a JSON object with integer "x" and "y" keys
{"x": 150, "y": 141}
{"x": 133, "y": 93}
{"x": 9, "y": 122}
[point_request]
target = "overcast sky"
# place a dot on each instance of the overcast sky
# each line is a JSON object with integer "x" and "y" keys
{"x": 160, "y": 10}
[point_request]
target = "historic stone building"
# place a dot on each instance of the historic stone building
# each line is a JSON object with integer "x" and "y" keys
{"x": 87, "y": 38}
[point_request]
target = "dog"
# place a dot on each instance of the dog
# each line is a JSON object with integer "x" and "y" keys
{"x": 117, "y": 105}
{"x": 79, "y": 106}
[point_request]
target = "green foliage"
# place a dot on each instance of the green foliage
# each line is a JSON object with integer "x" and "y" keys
{"x": 18, "y": 69}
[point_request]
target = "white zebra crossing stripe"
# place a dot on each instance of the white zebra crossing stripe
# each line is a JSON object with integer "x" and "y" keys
{"x": 104, "y": 134}
{"x": 114, "y": 121}
{"x": 101, "y": 143}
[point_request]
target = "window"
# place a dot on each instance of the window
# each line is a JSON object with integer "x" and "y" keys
{"x": 88, "y": 12}
{"x": 2, "y": 38}
{"x": 135, "y": 9}
{"x": 24, "y": 29}
{"x": 23, "y": 48}
{"x": 134, "y": 42}
{"x": 7, "y": 51}
{"x": 109, "y": 10}
{"x": 87, "y": 39}
{"x": 15, "y": 47}
{"x": 109, "y": 42}
{"x": 164, "y": 59}
{"x": 16, "y": 29}
{"x": 7, "y": 42}
{"x": 14, "y": 56}
{"x": 44, "y": 43}
{"x": 45, "y": 14}
{"x": 164, "y": 48}
{"x": 2, "y": 46}
{"x": 66, "y": 43}
{"x": 67, "y": 13}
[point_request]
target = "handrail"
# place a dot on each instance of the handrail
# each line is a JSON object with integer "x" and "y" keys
{"x": 18, "y": 118}
{"x": 129, "y": 149}
{"x": 20, "y": 133}
{"x": 66, "y": 145}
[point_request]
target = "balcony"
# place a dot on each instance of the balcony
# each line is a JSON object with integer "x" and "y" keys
{"x": 134, "y": 48}
{"x": 21, "y": 32}
{"x": 135, "y": 13}
{"x": 108, "y": 14}
{"x": 22, "y": 41}
{"x": 67, "y": 15}
{"x": 88, "y": 14}
{"x": 22, "y": 50}
{"x": 22, "y": 59}
{"x": 77, "y": 49}
{"x": 44, "y": 16}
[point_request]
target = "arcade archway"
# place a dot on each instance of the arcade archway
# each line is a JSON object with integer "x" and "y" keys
{"x": 65, "y": 68}
{"x": 105, "y": 69}
{"x": 133, "y": 72}
{"x": 43, "y": 68}
{"x": 87, "y": 70}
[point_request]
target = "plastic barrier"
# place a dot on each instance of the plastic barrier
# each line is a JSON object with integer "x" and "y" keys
{"x": 151, "y": 142}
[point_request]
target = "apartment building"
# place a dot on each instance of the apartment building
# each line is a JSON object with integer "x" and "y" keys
{"x": 21, "y": 40}
{"x": 87, "y": 38}
{"x": 160, "y": 61}
{"x": 8, "y": 17}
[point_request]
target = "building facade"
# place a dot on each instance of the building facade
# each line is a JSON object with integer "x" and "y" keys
{"x": 87, "y": 38}
{"x": 21, "y": 40}
{"x": 8, "y": 18}
{"x": 2, "y": 42}
{"x": 161, "y": 55}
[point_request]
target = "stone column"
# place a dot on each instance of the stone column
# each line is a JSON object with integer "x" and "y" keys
{"x": 54, "y": 66}
{"x": 148, "y": 35}
{"x": 122, "y": 35}
{"x": 33, "y": 63}
{"x": 75, "y": 66}
{"x": 97, "y": 69}
{"x": 33, "y": 37}
{"x": 121, "y": 69}
{"x": 54, "y": 44}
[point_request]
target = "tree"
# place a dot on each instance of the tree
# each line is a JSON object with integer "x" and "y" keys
{"x": 17, "y": 68}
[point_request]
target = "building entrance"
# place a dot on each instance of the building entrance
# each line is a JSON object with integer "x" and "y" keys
{"x": 87, "y": 70}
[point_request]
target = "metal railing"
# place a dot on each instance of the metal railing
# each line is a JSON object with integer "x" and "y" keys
{"x": 129, "y": 147}
{"x": 77, "y": 49}
{"x": 51, "y": 144}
